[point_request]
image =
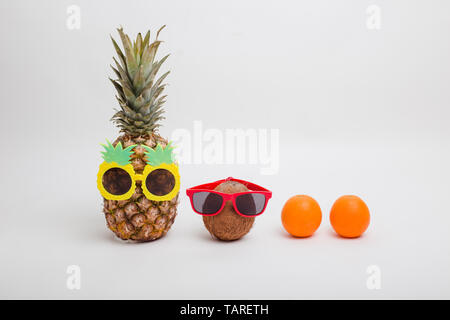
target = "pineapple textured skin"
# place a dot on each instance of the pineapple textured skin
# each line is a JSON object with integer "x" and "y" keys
{"x": 138, "y": 218}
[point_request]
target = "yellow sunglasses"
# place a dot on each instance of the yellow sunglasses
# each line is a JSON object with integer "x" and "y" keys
{"x": 116, "y": 178}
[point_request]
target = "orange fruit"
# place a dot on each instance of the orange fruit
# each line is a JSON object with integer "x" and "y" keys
{"x": 349, "y": 216}
{"x": 301, "y": 216}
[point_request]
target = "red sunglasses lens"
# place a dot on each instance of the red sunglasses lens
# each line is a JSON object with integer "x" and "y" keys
{"x": 207, "y": 202}
{"x": 250, "y": 204}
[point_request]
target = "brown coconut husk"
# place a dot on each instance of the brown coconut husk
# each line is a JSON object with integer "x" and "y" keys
{"x": 228, "y": 225}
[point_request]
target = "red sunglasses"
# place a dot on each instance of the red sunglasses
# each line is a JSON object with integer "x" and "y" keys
{"x": 207, "y": 202}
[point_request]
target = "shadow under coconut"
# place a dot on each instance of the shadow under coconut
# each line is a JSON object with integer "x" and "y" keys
{"x": 206, "y": 236}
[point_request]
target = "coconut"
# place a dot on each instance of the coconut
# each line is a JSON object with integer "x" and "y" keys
{"x": 228, "y": 225}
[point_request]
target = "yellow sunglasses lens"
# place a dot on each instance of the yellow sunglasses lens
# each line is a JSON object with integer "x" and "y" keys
{"x": 160, "y": 182}
{"x": 116, "y": 181}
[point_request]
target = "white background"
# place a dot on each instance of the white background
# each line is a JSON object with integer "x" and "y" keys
{"x": 359, "y": 112}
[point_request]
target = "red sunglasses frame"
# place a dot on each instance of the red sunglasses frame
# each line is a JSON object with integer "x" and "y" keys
{"x": 209, "y": 187}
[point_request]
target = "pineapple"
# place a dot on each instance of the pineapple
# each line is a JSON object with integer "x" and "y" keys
{"x": 140, "y": 100}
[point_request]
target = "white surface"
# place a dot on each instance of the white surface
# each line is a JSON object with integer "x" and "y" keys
{"x": 359, "y": 112}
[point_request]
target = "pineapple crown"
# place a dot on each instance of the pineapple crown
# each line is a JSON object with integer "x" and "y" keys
{"x": 118, "y": 154}
{"x": 138, "y": 93}
{"x": 159, "y": 155}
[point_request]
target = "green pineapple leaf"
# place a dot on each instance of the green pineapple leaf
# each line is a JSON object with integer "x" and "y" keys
{"x": 137, "y": 84}
{"x": 159, "y": 155}
{"x": 130, "y": 58}
{"x": 118, "y": 154}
